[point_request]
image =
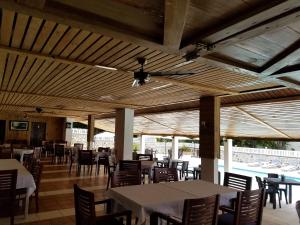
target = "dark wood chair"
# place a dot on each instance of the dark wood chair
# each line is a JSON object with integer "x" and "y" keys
{"x": 125, "y": 178}
{"x": 49, "y": 148}
{"x": 59, "y": 153}
{"x": 144, "y": 157}
{"x": 202, "y": 211}
{"x": 134, "y": 165}
{"x": 5, "y": 155}
{"x": 165, "y": 174}
{"x": 85, "y": 210}
{"x": 111, "y": 167}
{"x": 271, "y": 191}
{"x": 8, "y": 182}
{"x": 298, "y": 209}
{"x": 27, "y": 160}
{"x": 281, "y": 189}
{"x": 183, "y": 169}
{"x": 238, "y": 182}
{"x": 248, "y": 210}
{"x": 36, "y": 171}
{"x": 85, "y": 158}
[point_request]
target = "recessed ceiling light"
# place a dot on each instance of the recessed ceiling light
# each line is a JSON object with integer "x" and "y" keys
{"x": 106, "y": 67}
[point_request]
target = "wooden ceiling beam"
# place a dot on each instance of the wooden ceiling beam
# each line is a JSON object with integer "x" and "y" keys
{"x": 293, "y": 70}
{"x": 262, "y": 122}
{"x": 175, "y": 18}
{"x": 270, "y": 16}
{"x": 101, "y": 104}
{"x": 281, "y": 60}
{"x": 59, "y": 13}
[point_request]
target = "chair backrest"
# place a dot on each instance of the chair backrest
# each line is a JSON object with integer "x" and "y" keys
{"x": 132, "y": 165}
{"x": 237, "y": 181}
{"x": 27, "y": 160}
{"x": 59, "y": 149}
{"x": 5, "y": 155}
{"x": 85, "y": 157}
{"x": 162, "y": 174}
{"x": 125, "y": 178}
{"x": 174, "y": 164}
{"x": 79, "y": 146}
{"x": 148, "y": 157}
{"x": 36, "y": 171}
{"x": 37, "y": 152}
{"x": 8, "y": 182}
{"x": 185, "y": 165}
{"x": 201, "y": 211}
{"x": 249, "y": 207}
{"x": 259, "y": 182}
{"x": 84, "y": 207}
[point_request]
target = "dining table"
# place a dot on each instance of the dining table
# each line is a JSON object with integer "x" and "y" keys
{"x": 21, "y": 152}
{"x": 24, "y": 178}
{"x": 286, "y": 181}
{"x": 167, "y": 198}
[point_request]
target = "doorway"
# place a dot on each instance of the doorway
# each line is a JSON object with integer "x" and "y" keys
{"x": 38, "y": 133}
{"x": 2, "y": 131}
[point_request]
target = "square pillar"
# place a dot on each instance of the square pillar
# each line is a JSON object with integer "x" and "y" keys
{"x": 228, "y": 155}
{"x": 209, "y": 137}
{"x": 90, "y": 134}
{"x": 175, "y": 144}
{"x": 124, "y": 133}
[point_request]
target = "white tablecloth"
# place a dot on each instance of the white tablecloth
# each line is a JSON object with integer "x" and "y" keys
{"x": 167, "y": 198}
{"x": 22, "y": 152}
{"x": 24, "y": 179}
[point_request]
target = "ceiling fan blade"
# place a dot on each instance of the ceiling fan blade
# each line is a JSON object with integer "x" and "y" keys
{"x": 170, "y": 73}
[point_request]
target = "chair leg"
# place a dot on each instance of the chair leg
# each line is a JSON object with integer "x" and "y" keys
{"x": 70, "y": 168}
{"x": 279, "y": 203}
{"x": 108, "y": 181}
{"x": 286, "y": 200}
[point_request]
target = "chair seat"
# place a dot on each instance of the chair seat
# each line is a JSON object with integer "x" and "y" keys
{"x": 228, "y": 219}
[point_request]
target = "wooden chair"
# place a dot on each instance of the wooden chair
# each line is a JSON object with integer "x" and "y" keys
{"x": 202, "y": 211}
{"x": 271, "y": 191}
{"x": 111, "y": 167}
{"x": 248, "y": 210}
{"x": 59, "y": 153}
{"x": 280, "y": 189}
{"x": 36, "y": 171}
{"x": 183, "y": 168}
{"x": 27, "y": 160}
{"x": 165, "y": 174}
{"x": 134, "y": 165}
{"x": 85, "y": 158}
{"x": 5, "y": 155}
{"x": 85, "y": 210}
{"x": 238, "y": 182}
{"x": 8, "y": 182}
{"x": 125, "y": 178}
{"x": 79, "y": 146}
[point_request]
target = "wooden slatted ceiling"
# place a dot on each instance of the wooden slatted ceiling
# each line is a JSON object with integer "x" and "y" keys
{"x": 259, "y": 50}
{"x": 243, "y": 121}
{"x": 31, "y": 75}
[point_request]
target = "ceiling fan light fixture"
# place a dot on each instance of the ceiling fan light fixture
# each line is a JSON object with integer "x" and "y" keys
{"x": 106, "y": 67}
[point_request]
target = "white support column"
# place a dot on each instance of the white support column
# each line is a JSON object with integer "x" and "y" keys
{"x": 142, "y": 144}
{"x": 124, "y": 133}
{"x": 175, "y": 147}
{"x": 228, "y": 155}
{"x": 68, "y": 131}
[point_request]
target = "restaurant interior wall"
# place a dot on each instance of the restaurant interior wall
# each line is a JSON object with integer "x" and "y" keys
{"x": 54, "y": 127}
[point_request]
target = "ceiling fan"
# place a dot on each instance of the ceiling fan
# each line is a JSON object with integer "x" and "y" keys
{"x": 141, "y": 77}
{"x": 38, "y": 110}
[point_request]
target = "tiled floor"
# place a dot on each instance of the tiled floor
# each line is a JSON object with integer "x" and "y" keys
{"x": 56, "y": 199}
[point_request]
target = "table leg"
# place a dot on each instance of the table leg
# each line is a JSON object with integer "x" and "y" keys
{"x": 290, "y": 194}
{"x": 26, "y": 204}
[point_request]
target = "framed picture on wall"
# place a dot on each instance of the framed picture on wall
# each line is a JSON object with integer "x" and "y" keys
{"x": 18, "y": 125}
